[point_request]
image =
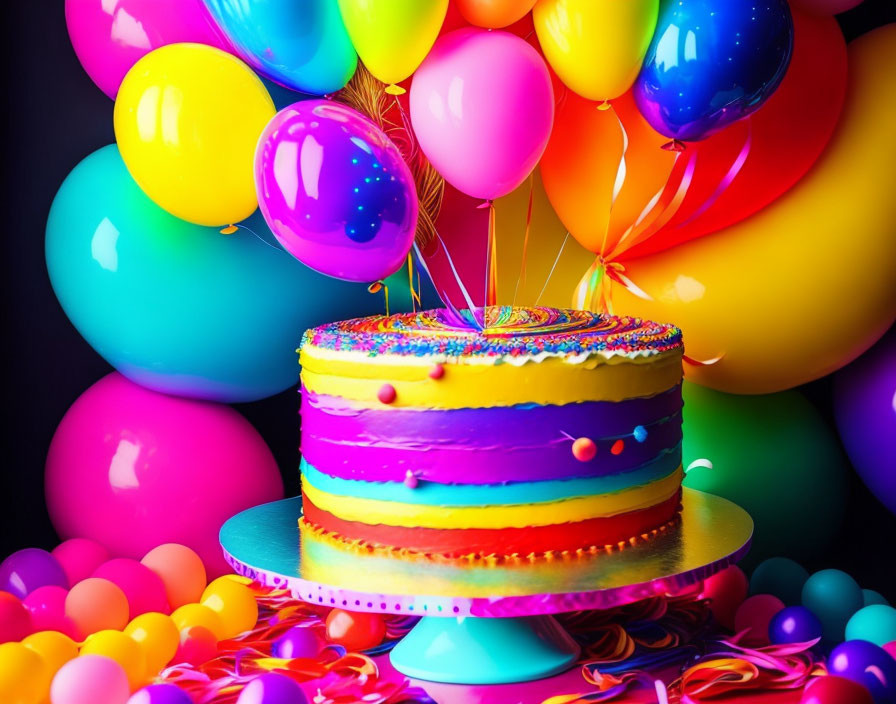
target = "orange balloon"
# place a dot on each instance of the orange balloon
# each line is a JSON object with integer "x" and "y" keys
{"x": 233, "y": 602}
{"x": 181, "y": 571}
{"x": 96, "y": 604}
{"x": 199, "y": 615}
{"x": 494, "y": 14}
{"x": 158, "y": 635}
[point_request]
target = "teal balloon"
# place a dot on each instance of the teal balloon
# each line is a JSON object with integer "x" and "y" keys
{"x": 875, "y": 623}
{"x": 869, "y": 597}
{"x": 780, "y": 577}
{"x": 301, "y": 44}
{"x": 833, "y": 596}
{"x": 177, "y": 307}
{"x": 773, "y": 455}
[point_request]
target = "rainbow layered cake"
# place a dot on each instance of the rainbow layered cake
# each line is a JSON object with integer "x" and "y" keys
{"x": 536, "y": 432}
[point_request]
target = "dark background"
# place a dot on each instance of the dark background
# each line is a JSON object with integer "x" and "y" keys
{"x": 54, "y": 116}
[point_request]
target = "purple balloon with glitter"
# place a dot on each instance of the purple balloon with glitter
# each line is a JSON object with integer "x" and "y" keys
{"x": 335, "y": 191}
{"x": 867, "y": 664}
{"x": 865, "y": 411}
{"x": 272, "y": 688}
{"x": 26, "y": 570}
{"x": 162, "y": 693}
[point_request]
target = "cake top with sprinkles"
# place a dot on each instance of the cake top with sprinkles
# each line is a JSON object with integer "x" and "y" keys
{"x": 497, "y": 331}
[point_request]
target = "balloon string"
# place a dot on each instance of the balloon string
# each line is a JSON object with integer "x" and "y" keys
{"x": 457, "y": 279}
{"x": 521, "y": 279}
{"x": 553, "y": 267}
{"x": 415, "y": 296}
{"x": 230, "y": 229}
{"x": 621, "y": 173}
{"x": 491, "y": 285}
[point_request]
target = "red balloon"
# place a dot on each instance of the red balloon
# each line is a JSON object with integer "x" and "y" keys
{"x": 787, "y": 135}
{"x": 726, "y": 590}
{"x": 15, "y": 619}
{"x": 355, "y": 631}
{"x": 198, "y": 645}
{"x": 754, "y": 616}
{"x": 835, "y": 690}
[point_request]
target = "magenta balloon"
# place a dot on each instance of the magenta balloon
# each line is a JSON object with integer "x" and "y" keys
{"x": 110, "y": 36}
{"x": 143, "y": 588}
{"x": 482, "y": 107}
{"x": 335, "y": 191}
{"x": 133, "y": 468}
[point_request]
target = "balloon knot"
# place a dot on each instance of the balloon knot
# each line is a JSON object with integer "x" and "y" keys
{"x": 484, "y": 204}
{"x": 605, "y": 105}
{"x": 676, "y": 145}
{"x": 375, "y": 287}
{"x": 229, "y": 230}
{"x": 393, "y": 89}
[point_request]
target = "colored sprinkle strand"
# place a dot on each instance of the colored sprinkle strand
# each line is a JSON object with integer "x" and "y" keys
{"x": 509, "y": 331}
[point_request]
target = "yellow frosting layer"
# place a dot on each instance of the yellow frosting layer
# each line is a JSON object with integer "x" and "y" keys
{"x": 469, "y": 384}
{"x": 391, "y": 513}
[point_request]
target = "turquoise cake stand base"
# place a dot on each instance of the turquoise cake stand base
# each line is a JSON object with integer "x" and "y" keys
{"x": 484, "y": 622}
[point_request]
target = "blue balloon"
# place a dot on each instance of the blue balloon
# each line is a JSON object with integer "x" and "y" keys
{"x": 794, "y": 624}
{"x": 867, "y": 664}
{"x": 711, "y": 63}
{"x": 301, "y": 44}
{"x": 177, "y": 307}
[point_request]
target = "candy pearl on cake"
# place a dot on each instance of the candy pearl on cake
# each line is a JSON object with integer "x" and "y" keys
{"x": 584, "y": 449}
{"x": 436, "y": 371}
{"x": 386, "y": 393}
{"x": 618, "y": 447}
{"x": 410, "y": 480}
{"x": 640, "y": 433}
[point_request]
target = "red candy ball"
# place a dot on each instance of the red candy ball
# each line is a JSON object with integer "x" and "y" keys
{"x": 436, "y": 371}
{"x": 584, "y": 449}
{"x": 754, "y": 616}
{"x": 15, "y": 619}
{"x": 355, "y": 631}
{"x": 386, "y": 393}
{"x": 726, "y": 590}
{"x": 835, "y": 690}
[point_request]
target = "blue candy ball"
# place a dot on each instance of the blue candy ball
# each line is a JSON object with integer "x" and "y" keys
{"x": 875, "y": 623}
{"x": 780, "y": 577}
{"x": 833, "y": 596}
{"x": 794, "y": 624}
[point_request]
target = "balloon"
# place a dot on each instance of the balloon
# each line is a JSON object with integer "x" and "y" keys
{"x": 24, "y": 676}
{"x": 157, "y": 636}
{"x": 272, "y": 688}
{"x": 494, "y": 14}
{"x": 335, "y": 191}
{"x": 868, "y": 665}
{"x": 110, "y": 37}
{"x": 169, "y": 469}
{"x": 754, "y": 617}
{"x": 726, "y": 591}
{"x": 866, "y": 417}
{"x": 96, "y": 604}
{"x": 163, "y": 693}
{"x": 891, "y": 649}
{"x": 122, "y": 649}
{"x": 197, "y": 646}
{"x": 710, "y": 64}
{"x": 781, "y": 577}
{"x": 90, "y": 679}
{"x": 783, "y": 248}
{"x": 297, "y": 642}
{"x": 835, "y": 690}
{"x": 181, "y": 571}
{"x": 392, "y": 36}
{"x": 142, "y": 587}
{"x": 193, "y": 155}
{"x": 782, "y": 466}
{"x": 27, "y": 569}
{"x": 826, "y": 7}
{"x": 234, "y": 603}
{"x": 15, "y": 619}
{"x": 355, "y": 631}
{"x": 769, "y": 151}
{"x": 875, "y": 623}
{"x": 869, "y": 597}
{"x": 595, "y": 46}
{"x": 54, "y": 648}
{"x": 79, "y": 557}
{"x": 486, "y": 138}
{"x": 303, "y": 45}
{"x": 199, "y": 615}
{"x": 833, "y": 596}
{"x": 47, "y": 608}
{"x": 794, "y": 624}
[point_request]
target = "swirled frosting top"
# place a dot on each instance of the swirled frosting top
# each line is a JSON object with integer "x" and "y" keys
{"x": 501, "y": 331}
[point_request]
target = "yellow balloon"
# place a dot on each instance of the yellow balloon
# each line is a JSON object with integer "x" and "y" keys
{"x": 122, "y": 649}
{"x": 807, "y": 284}
{"x": 24, "y": 676}
{"x": 199, "y": 615}
{"x": 54, "y": 647}
{"x": 187, "y": 119}
{"x": 157, "y": 634}
{"x": 392, "y": 37}
{"x": 234, "y": 603}
{"x": 595, "y": 46}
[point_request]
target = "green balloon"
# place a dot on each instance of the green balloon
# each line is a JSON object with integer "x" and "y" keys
{"x": 774, "y": 456}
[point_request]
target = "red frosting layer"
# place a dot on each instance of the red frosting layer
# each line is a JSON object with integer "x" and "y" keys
{"x": 505, "y": 541}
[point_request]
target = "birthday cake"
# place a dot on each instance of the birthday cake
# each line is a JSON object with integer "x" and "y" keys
{"x": 527, "y": 433}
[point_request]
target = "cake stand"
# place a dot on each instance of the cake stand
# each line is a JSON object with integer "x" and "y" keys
{"x": 484, "y": 622}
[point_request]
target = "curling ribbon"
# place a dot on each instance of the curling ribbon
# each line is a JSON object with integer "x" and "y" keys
{"x": 595, "y": 289}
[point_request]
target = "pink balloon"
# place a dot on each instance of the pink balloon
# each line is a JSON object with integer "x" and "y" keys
{"x": 142, "y": 587}
{"x": 133, "y": 468}
{"x": 726, "y": 590}
{"x": 47, "y": 608}
{"x": 79, "y": 557}
{"x": 90, "y": 679}
{"x": 482, "y": 107}
{"x": 754, "y": 616}
{"x": 110, "y": 36}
